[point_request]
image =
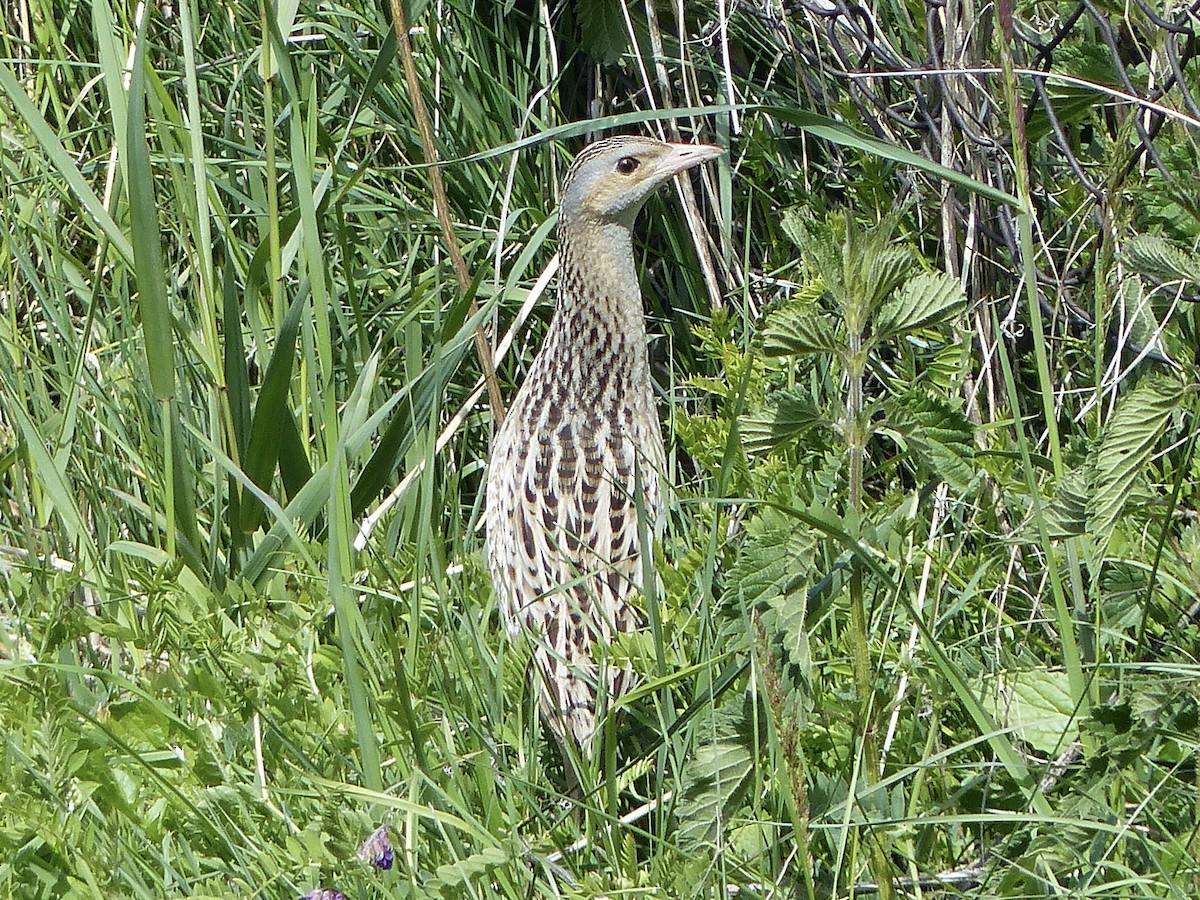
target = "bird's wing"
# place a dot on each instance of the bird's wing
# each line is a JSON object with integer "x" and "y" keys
{"x": 563, "y": 538}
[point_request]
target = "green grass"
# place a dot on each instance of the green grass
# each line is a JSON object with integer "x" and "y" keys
{"x": 925, "y": 592}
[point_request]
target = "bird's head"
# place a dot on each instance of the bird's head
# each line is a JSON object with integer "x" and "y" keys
{"x": 611, "y": 179}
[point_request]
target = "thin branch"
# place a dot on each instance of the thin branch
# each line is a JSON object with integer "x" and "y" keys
{"x": 442, "y": 205}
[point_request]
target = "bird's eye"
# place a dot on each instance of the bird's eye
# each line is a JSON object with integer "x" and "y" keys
{"x": 626, "y": 165}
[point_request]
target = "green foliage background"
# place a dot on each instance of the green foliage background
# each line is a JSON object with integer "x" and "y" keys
{"x": 928, "y": 601}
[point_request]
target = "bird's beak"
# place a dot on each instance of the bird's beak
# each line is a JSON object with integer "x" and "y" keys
{"x": 684, "y": 156}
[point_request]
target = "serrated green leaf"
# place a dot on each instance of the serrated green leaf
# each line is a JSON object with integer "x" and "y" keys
{"x": 1075, "y": 101}
{"x": 925, "y": 301}
{"x": 938, "y": 434}
{"x": 799, "y": 328}
{"x": 774, "y": 563}
{"x": 1037, "y": 705}
{"x": 772, "y": 574}
{"x": 885, "y": 270}
{"x": 794, "y": 225}
{"x": 1067, "y": 512}
{"x": 1138, "y": 330}
{"x": 1128, "y": 441}
{"x": 820, "y": 252}
{"x": 791, "y": 413}
{"x": 602, "y": 30}
{"x": 1153, "y": 256}
{"x": 716, "y": 777}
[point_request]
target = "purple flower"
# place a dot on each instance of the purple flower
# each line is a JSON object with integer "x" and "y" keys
{"x": 323, "y": 894}
{"x": 377, "y": 849}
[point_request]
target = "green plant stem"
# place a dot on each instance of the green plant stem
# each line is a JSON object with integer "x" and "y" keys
{"x": 856, "y": 433}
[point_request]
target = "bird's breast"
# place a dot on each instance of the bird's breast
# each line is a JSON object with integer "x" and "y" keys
{"x": 576, "y": 468}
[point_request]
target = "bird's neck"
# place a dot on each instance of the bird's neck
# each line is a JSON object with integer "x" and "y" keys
{"x": 598, "y": 284}
{"x": 597, "y": 338}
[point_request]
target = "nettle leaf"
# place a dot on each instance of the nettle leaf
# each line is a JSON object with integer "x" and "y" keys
{"x": 926, "y": 301}
{"x": 938, "y": 434}
{"x": 1155, "y": 257}
{"x": 886, "y": 270}
{"x": 1066, "y": 515}
{"x": 772, "y": 574}
{"x": 795, "y": 225}
{"x": 791, "y": 413}
{"x": 602, "y": 30}
{"x": 1138, "y": 330}
{"x": 799, "y": 328}
{"x": 716, "y": 778}
{"x": 774, "y": 564}
{"x": 820, "y": 251}
{"x": 1037, "y": 706}
{"x": 1073, "y": 102}
{"x": 1125, "y": 447}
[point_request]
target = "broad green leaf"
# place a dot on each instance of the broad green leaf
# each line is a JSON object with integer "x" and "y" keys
{"x": 925, "y": 301}
{"x": 1138, "y": 330}
{"x": 1153, "y": 256}
{"x": 602, "y": 30}
{"x": 821, "y": 253}
{"x": 1067, "y": 513}
{"x": 799, "y": 328}
{"x": 772, "y": 575}
{"x": 1073, "y": 102}
{"x": 1037, "y": 706}
{"x": 938, "y": 435}
{"x": 271, "y": 414}
{"x": 1125, "y": 448}
{"x": 774, "y": 564}
{"x": 715, "y": 779}
{"x": 884, "y": 270}
{"x": 790, "y": 413}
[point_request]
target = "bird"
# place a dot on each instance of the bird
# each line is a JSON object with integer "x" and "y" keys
{"x": 581, "y": 451}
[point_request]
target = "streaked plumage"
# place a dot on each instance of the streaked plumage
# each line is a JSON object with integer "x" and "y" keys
{"x": 581, "y": 435}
